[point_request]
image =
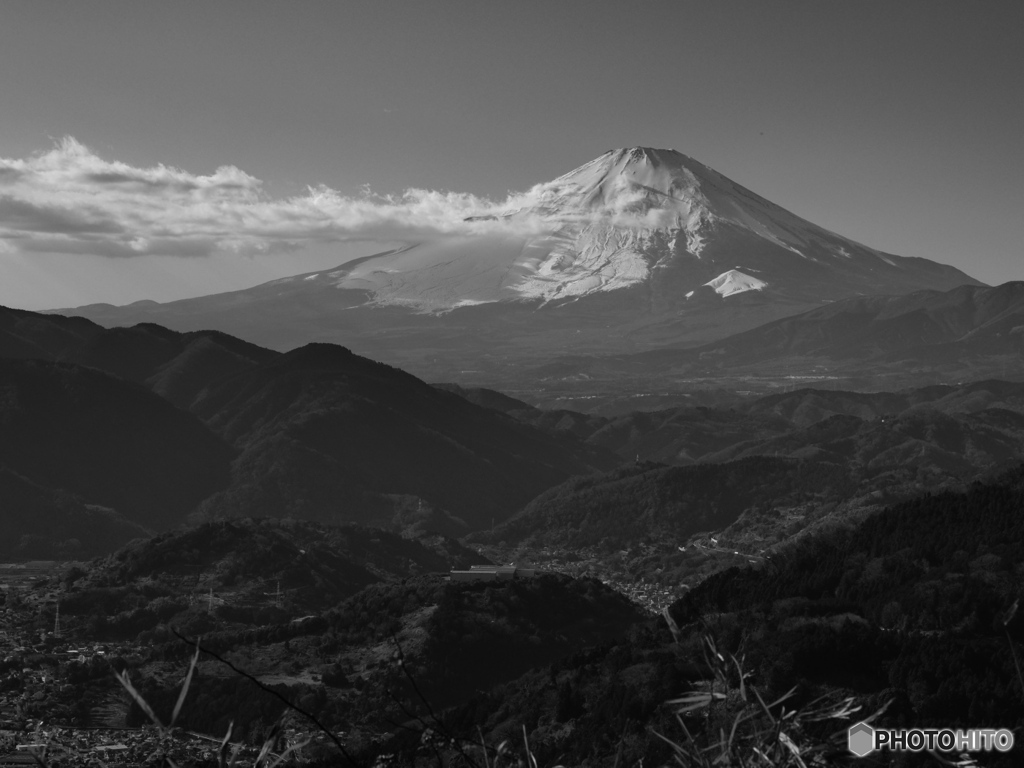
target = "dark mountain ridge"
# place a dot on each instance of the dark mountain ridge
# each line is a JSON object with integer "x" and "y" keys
{"x": 294, "y": 565}
{"x": 175, "y": 365}
{"x": 40, "y": 523}
{"x": 108, "y": 441}
{"x": 317, "y": 432}
{"x": 347, "y": 428}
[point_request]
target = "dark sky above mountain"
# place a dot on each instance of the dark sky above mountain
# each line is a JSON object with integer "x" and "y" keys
{"x": 892, "y": 124}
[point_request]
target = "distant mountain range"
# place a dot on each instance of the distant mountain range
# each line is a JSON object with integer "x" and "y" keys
{"x": 639, "y": 249}
{"x": 778, "y": 465}
{"x": 873, "y": 342}
{"x": 789, "y": 424}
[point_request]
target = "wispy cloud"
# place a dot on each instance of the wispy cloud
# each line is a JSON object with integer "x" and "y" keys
{"x": 70, "y": 200}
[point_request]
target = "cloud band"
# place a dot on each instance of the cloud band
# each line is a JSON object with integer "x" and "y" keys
{"x": 69, "y": 200}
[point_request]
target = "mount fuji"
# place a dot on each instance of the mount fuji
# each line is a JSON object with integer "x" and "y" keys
{"x": 636, "y": 250}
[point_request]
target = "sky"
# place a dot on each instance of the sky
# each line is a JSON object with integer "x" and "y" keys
{"x": 164, "y": 150}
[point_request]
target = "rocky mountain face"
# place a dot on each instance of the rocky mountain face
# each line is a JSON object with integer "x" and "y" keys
{"x": 638, "y": 249}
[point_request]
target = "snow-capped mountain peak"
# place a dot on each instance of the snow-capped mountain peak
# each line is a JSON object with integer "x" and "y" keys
{"x": 616, "y": 222}
{"x": 625, "y": 180}
{"x": 638, "y": 249}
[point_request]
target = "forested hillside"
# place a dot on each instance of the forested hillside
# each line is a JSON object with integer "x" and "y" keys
{"x": 913, "y": 613}
{"x": 325, "y": 434}
{"x": 653, "y": 503}
{"x": 316, "y": 433}
{"x": 103, "y": 441}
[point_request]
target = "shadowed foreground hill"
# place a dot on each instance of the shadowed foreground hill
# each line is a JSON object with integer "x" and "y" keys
{"x": 351, "y": 600}
{"x": 913, "y": 612}
{"x": 454, "y": 639}
{"x": 325, "y": 434}
{"x": 43, "y": 523}
{"x": 919, "y": 602}
{"x": 920, "y": 599}
{"x": 940, "y": 557}
{"x": 255, "y": 569}
{"x": 105, "y": 442}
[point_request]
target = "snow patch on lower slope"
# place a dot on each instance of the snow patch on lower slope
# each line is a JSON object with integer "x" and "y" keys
{"x": 733, "y": 282}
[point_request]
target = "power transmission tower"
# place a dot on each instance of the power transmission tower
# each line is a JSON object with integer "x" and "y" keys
{"x": 276, "y": 595}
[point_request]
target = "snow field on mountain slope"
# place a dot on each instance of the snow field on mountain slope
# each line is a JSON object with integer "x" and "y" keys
{"x": 733, "y": 282}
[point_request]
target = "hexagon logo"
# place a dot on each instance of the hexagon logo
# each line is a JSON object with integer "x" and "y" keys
{"x": 861, "y": 739}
